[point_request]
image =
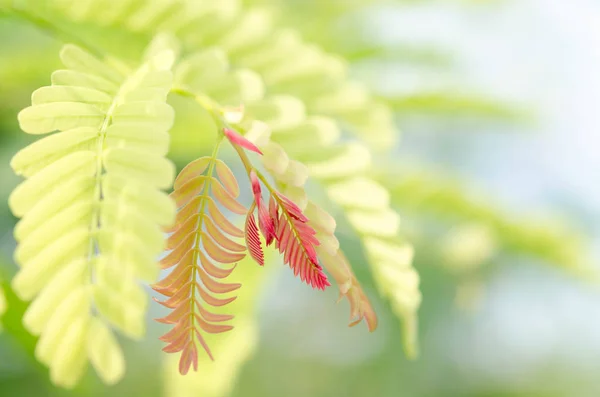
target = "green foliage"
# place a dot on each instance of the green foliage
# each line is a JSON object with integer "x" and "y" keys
{"x": 443, "y": 199}
{"x": 452, "y": 104}
{"x": 90, "y": 208}
{"x": 93, "y": 94}
{"x": 248, "y": 35}
{"x": 91, "y": 205}
{"x": 2, "y": 305}
{"x": 315, "y": 141}
{"x": 344, "y": 28}
{"x": 291, "y": 176}
{"x": 343, "y": 171}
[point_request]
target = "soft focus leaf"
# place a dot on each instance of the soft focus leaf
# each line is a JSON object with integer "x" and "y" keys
{"x": 91, "y": 209}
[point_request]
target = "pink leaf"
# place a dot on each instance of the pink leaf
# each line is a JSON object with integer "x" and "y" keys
{"x": 237, "y": 139}
{"x": 295, "y": 239}
{"x": 253, "y": 240}
{"x": 265, "y": 222}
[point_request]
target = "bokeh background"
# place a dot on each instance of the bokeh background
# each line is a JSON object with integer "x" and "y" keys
{"x": 496, "y": 178}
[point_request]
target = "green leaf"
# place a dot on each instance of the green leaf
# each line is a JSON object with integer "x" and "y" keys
{"x": 447, "y": 200}
{"x": 104, "y": 352}
{"x": 139, "y": 166}
{"x": 49, "y": 117}
{"x": 454, "y": 104}
{"x": 3, "y": 305}
{"x": 50, "y": 149}
{"x": 92, "y": 209}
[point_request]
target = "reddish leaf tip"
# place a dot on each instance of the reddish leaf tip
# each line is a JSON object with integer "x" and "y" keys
{"x": 256, "y": 190}
{"x": 266, "y": 222}
{"x": 237, "y": 139}
{"x": 253, "y": 240}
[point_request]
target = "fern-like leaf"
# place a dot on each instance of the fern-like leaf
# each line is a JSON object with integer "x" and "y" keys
{"x": 231, "y": 349}
{"x": 288, "y": 64}
{"x": 266, "y": 220}
{"x": 91, "y": 209}
{"x": 253, "y": 239}
{"x": 287, "y": 171}
{"x": 201, "y": 243}
{"x": 283, "y": 223}
{"x": 341, "y": 168}
{"x": 296, "y": 240}
{"x": 360, "y": 306}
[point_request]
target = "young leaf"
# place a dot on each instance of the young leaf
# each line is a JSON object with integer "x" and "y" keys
{"x": 297, "y": 241}
{"x": 200, "y": 247}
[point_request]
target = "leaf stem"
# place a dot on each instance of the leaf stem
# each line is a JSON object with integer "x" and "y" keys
{"x": 249, "y": 167}
{"x": 216, "y": 112}
{"x": 207, "y": 103}
{"x": 199, "y": 223}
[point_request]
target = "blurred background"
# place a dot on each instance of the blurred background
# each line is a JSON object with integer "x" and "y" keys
{"x": 495, "y": 177}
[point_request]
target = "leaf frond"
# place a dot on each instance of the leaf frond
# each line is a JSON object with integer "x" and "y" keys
{"x": 321, "y": 239}
{"x": 202, "y": 248}
{"x": 91, "y": 208}
{"x": 295, "y": 239}
{"x": 253, "y": 239}
{"x": 249, "y": 37}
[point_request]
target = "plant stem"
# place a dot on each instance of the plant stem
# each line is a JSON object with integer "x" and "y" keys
{"x": 197, "y": 237}
{"x": 249, "y": 168}
{"x": 212, "y": 107}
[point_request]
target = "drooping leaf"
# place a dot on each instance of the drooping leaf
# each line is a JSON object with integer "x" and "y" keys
{"x": 91, "y": 209}
{"x": 201, "y": 247}
{"x": 296, "y": 240}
